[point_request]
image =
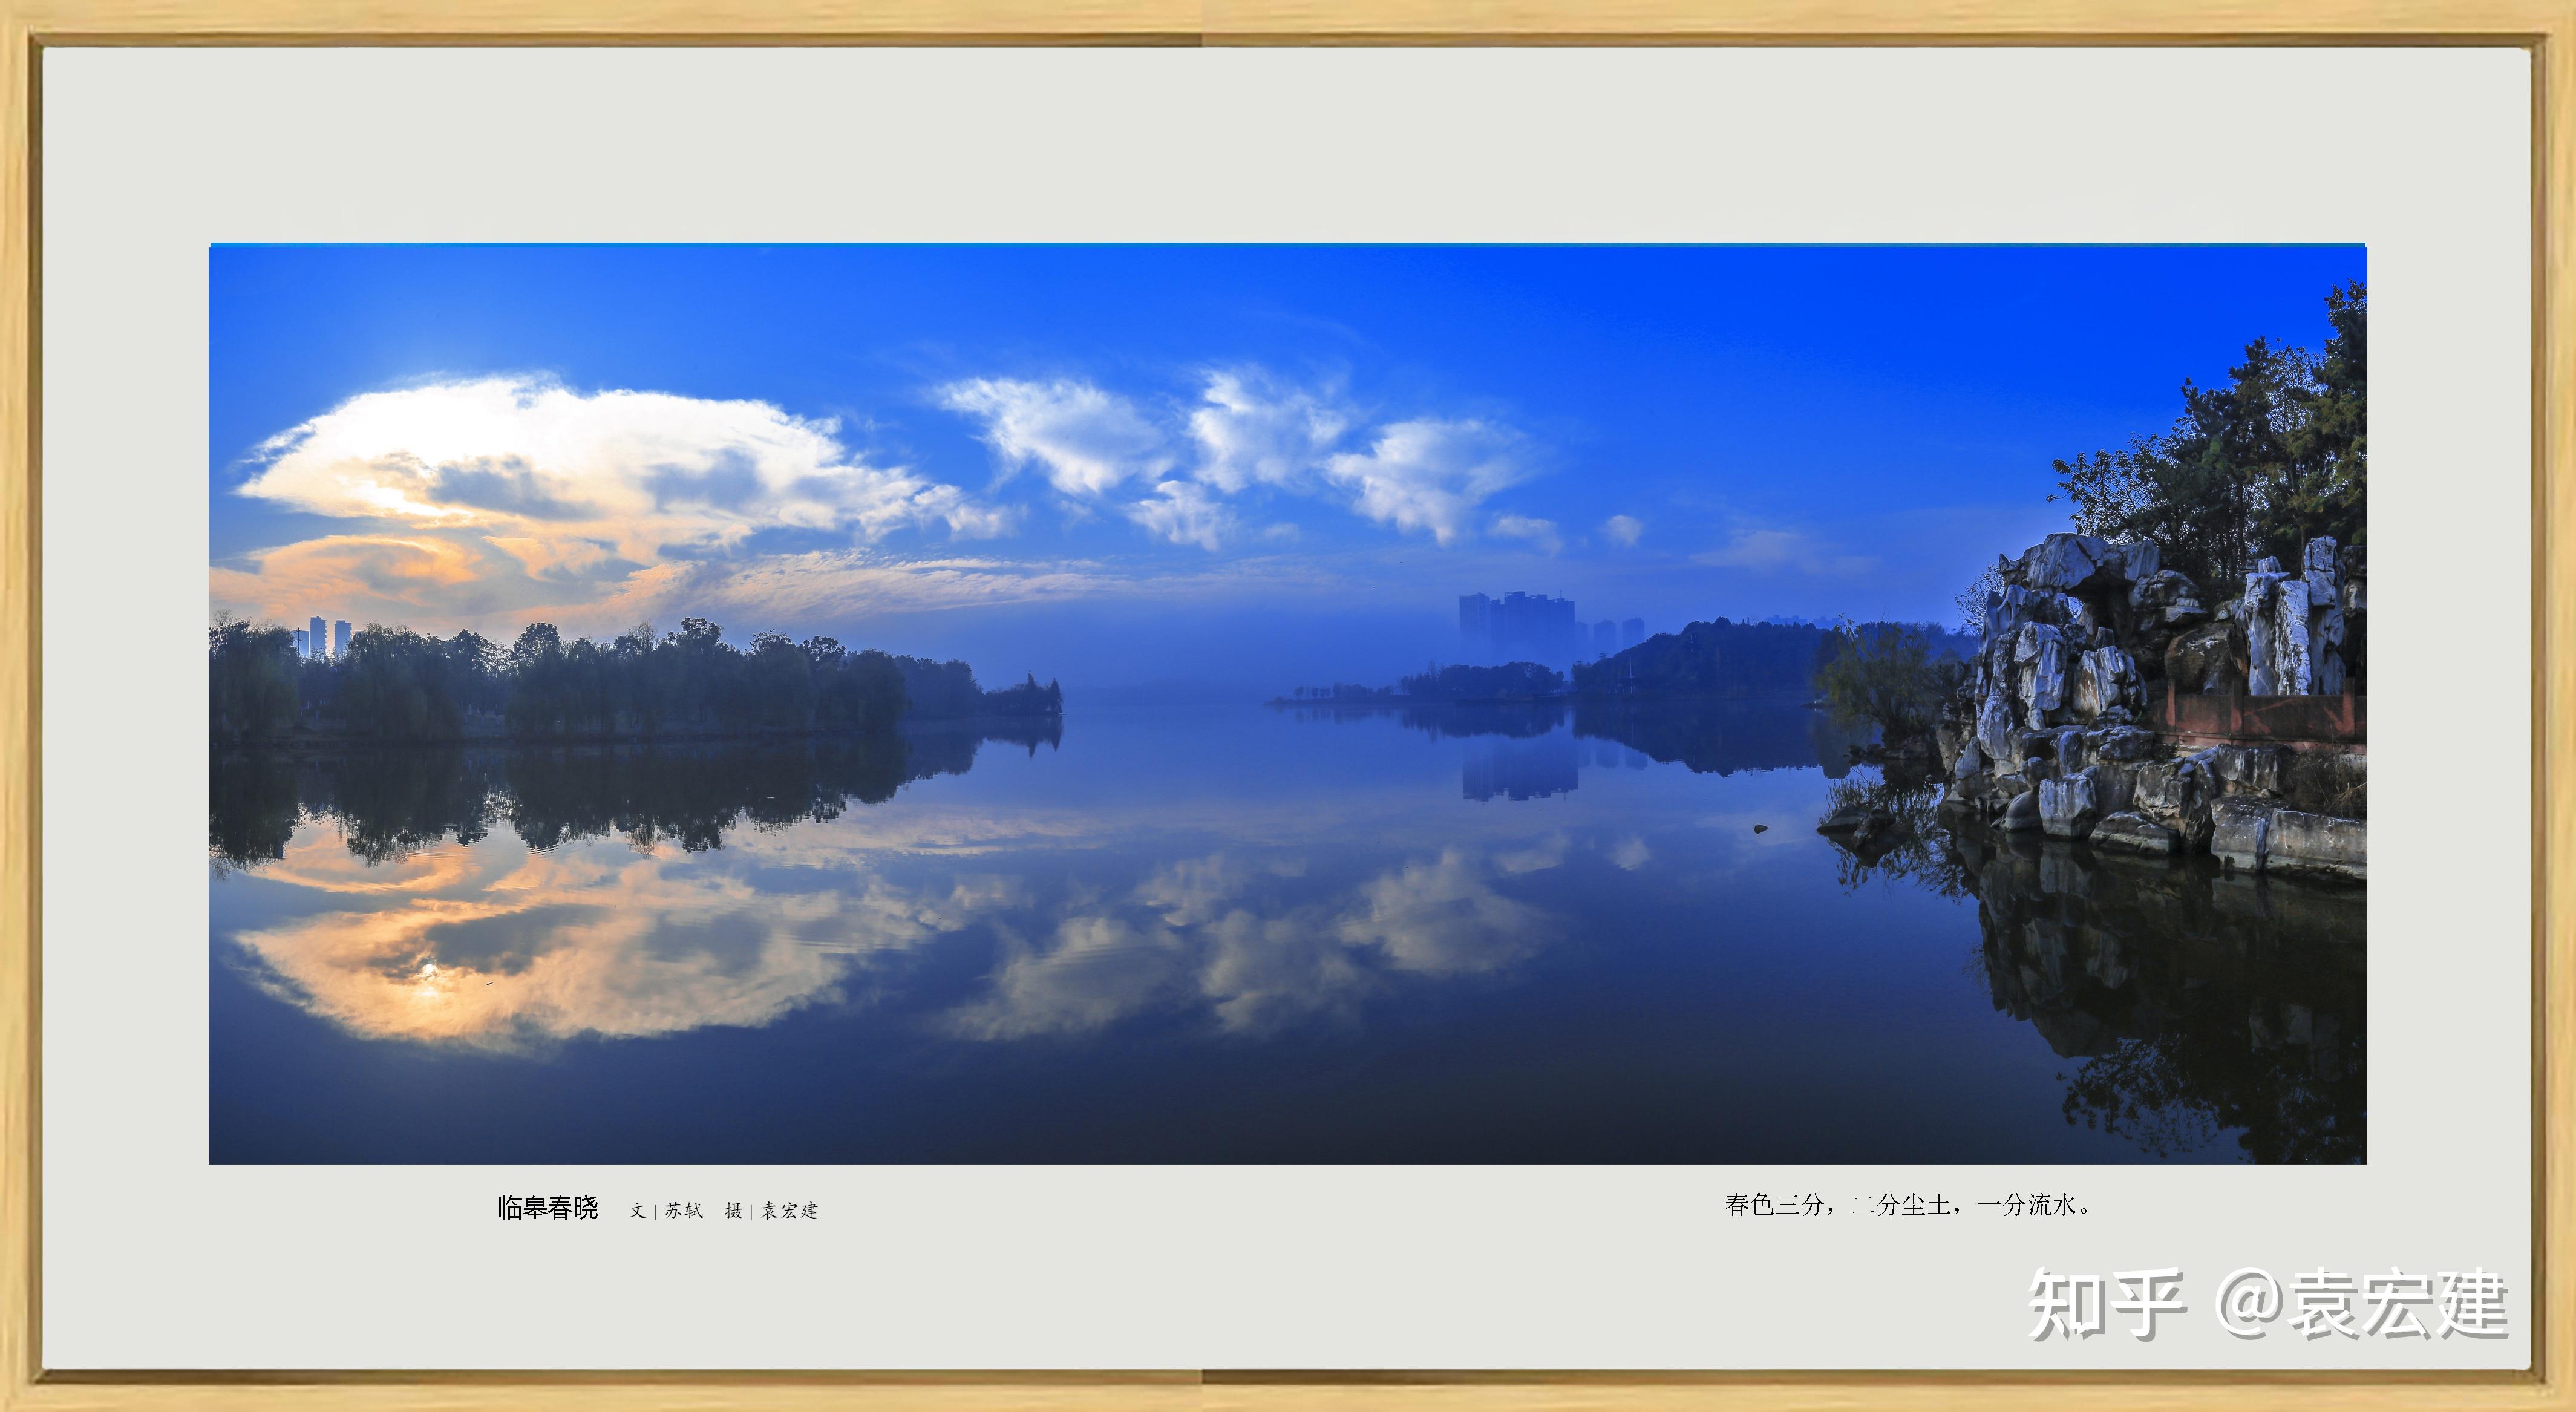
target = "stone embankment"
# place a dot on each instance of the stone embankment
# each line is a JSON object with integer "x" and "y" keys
{"x": 2051, "y": 730}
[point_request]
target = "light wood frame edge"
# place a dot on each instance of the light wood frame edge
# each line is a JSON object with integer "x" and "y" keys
{"x": 2547, "y": 30}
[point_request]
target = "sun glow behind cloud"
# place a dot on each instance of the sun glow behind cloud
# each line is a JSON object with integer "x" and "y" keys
{"x": 637, "y": 470}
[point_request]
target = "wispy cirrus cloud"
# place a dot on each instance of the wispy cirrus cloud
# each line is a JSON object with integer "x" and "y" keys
{"x": 1774, "y": 550}
{"x": 1430, "y": 474}
{"x": 1086, "y": 441}
{"x": 1253, "y": 432}
{"x": 1253, "y": 429}
{"x": 1539, "y": 534}
{"x": 1184, "y": 512}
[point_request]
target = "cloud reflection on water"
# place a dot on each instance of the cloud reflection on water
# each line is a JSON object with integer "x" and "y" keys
{"x": 493, "y": 945}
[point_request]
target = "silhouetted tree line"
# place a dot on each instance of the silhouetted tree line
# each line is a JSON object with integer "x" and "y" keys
{"x": 1465, "y": 720}
{"x": 688, "y": 795}
{"x": 1483, "y": 683}
{"x": 1720, "y": 735}
{"x": 2258, "y": 466}
{"x": 1723, "y": 658}
{"x": 949, "y": 747}
{"x": 398, "y": 685}
{"x": 1435, "y": 683}
{"x": 1347, "y": 693}
{"x": 1711, "y": 659}
{"x": 1028, "y": 699}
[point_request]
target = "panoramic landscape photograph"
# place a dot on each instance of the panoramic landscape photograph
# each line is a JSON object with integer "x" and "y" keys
{"x": 1287, "y": 704}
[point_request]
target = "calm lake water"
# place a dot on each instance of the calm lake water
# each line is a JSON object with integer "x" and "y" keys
{"x": 1222, "y": 934}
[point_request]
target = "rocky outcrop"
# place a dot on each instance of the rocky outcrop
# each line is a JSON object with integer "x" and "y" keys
{"x": 2294, "y": 625}
{"x": 2240, "y": 833}
{"x": 2252, "y": 834}
{"x": 2047, "y": 734}
{"x": 2207, "y": 659}
{"x": 2061, "y": 637}
{"x": 2136, "y": 833}
{"x": 2318, "y": 843}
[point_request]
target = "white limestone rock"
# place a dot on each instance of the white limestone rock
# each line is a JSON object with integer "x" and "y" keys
{"x": 2274, "y": 609}
{"x": 1996, "y": 723}
{"x": 1971, "y": 761}
{"x": 2039, "y": 671}
{"x": 2065, "y": 563}
{"x": 2241, "y": 832}
{"x": 2068, "y": 806}
{"x": 2138, "y": 835}
{"x": 2318, "y": 843}
{"x": 2107, "y": 678}
{"x": 2022, "y": 813}
{"x": 2319, "y": 567}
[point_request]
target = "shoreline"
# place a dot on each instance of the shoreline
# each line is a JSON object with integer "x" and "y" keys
{"x": 338, "y": 742}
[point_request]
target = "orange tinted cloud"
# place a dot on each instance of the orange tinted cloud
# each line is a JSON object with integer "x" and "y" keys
{"x": 376, "y": 578}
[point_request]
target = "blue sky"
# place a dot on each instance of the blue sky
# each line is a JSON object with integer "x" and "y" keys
{"x": 1230, "y": 467}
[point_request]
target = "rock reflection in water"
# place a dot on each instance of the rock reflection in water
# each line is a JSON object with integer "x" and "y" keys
{"x": 2199, "y": 1001}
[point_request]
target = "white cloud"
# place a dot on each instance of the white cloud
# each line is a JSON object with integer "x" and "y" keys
{"x": 1253, "y": 430}
{"x": 1100, "y": 970}
{"x": 824, "y": 588}
{"x": 1185, "y": 513}
{"x": 1548, "y": 852}
{"x": 1442, "y": 917}
{"x": 492, "y": 946}
{"x": 1540, "y": 533}
{"x": 492, "y": 502}
{"x": 500, "y": 948}
{"x": 478, "y": 496}
{"x": 1623, "y": 530}
{"x": 639, "y": 468}
{"x": 1087, "y": 441}
{"x": 1429, "y": 474}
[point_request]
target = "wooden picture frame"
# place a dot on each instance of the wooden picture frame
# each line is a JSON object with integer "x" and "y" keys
{"x": 2543, "y": 29}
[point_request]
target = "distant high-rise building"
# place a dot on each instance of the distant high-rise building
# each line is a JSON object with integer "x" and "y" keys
{"x": 1476, "y": 622}
{"x": 313, "y": 635}
{"x": 1522, "y": 627}
{"x": 1605, "y": 638}
{"x": 1521, "y": 769}
{"x": 1631, "y": 633}
{"x": 340, "y": 638}
{"x": 303, "y": 644}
